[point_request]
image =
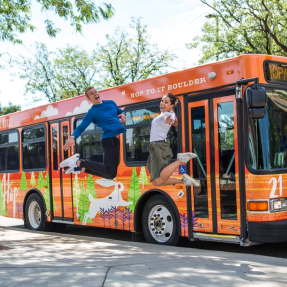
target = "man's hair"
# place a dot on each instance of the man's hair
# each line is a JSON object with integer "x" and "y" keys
{"x": 87, "y": 89}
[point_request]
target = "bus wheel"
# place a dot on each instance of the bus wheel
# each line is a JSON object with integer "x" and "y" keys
{"x": 159, "y": 222}
{"x": 35, "y": 214}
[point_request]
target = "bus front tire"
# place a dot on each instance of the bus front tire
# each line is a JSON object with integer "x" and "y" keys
{"x": 35, "y": 214}
{"x": 159, "y": 222}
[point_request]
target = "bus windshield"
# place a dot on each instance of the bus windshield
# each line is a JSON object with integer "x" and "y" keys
{"x": 268, "y": 136}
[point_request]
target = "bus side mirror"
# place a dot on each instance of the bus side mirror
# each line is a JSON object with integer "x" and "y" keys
{"x": 256, "y": 101}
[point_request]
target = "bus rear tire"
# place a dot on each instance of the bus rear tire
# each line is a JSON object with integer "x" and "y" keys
{"x": 159, "y": 222}
{"x": 35, "y": 214}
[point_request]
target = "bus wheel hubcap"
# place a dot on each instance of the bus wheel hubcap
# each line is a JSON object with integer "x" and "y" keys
{"x": 160, "y": 223}
{"x": 34, "y": 214}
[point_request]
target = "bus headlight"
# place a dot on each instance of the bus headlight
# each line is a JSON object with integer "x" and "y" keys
{"x": 278, "y": 204}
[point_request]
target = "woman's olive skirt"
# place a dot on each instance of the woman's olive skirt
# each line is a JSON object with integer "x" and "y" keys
{"x": 160, "y": 155}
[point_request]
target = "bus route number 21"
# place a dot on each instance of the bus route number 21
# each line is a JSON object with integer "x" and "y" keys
{"x": 274, "y": 186}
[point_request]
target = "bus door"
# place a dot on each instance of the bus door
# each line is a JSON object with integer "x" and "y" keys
{"x": 215, "y": 205}
{"x": 61, "y": 186}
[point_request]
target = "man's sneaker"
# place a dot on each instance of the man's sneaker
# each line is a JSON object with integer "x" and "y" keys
{"x": 74, "y": 170}
{"x": 186, "y": 156}
{"x": 70, "y": 161}
{"x": 187, "y": 180}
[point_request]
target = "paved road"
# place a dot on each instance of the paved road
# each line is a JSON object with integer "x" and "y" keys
{"x": 278, "y": 250}
{"x": 50, "y": 259}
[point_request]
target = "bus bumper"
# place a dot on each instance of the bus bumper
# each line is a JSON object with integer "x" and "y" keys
{"x": 268, "y": 232}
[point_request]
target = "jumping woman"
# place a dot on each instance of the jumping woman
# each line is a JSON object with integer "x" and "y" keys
{"x": 160, "y": 153}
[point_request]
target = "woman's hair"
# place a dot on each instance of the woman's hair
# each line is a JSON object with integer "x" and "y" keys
{"x": 172, "y": 98}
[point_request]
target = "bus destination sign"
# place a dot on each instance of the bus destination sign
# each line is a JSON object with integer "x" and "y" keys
{"x": 275, "y": 72}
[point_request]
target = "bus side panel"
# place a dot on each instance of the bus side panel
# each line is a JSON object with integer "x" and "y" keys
{"x": 260, "y": 187}
{"x": 14, "y": 188}
{"x": 113, "y": 206}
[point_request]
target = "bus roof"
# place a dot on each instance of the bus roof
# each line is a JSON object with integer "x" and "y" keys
{"x": 207, "y": 76}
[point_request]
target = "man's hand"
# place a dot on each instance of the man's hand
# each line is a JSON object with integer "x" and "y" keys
{"x": 69, "y": 143}
{"x": 122, "y": 118}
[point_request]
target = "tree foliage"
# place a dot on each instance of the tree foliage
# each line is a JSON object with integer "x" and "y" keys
{"x": 3, "y": 210}
{"x": 246, "y": 26}
{"x": 131, "y": 56}
{"x": 125, "y": 58}
{"x": 58, "y": 75}
{"x": 134, "y": 190}
{"x": 15, "y": 16}
{"x": 9, "y": 109}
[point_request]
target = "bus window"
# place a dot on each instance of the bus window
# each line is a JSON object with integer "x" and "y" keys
{"x": 88, "y": 145}
{"x": 34, "y": 148}
{"x": 268, "y": 136}
{"x": 137, "y": 137}
{"x": 9, "y": 151}
{"x": 226, "y": 161}
{"x": 199, "y": 165}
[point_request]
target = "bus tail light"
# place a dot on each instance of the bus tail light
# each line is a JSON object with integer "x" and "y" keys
{"x": 258, "y": 206}
{"x": 230, "y": 72}
{"x": 278, "y": 204}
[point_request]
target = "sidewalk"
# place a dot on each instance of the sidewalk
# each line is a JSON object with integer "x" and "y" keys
{"x": 50, "y": 259}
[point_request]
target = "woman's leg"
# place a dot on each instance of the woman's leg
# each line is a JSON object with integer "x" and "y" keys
{"x": 165, "y": 175}
{"x": 170, "y": 181}
{"x": 168, "y": 170}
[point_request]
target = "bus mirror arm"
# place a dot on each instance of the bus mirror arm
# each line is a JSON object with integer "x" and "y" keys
{"x": 255, "y": 97}
{"x": 243, "y": 82}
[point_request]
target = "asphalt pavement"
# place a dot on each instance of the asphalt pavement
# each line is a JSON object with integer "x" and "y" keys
{"x": 50, "y": 259}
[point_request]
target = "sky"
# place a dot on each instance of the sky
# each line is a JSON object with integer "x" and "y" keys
{"x": 170, "y": 23}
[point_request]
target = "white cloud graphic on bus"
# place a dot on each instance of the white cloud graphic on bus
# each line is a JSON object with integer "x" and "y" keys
{"x": 50, "y": 111}
{"x": 83, "y": 108}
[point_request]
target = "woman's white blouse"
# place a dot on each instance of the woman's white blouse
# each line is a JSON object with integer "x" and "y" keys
{"x": 159, "y": 129}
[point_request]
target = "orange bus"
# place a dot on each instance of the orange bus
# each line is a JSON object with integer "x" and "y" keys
{"x": 232, "y": 114}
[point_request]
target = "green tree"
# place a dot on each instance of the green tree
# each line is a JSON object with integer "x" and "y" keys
{"x": 47, "y": 194}
{"x": 15, "y": 16}
{"x": 76, "y": 194}
{"x": 134, "y": 190}
{"x": 3, "y": 210}
{"x": 40, "y": 183}
{"x": 23, "y": 183}
{"x": 143, "y": 176}
{"x": 9, "y": 109}
{"x": 58, "y": 75}
{"x": 125, "y": 58}
{"x": 130, "y": 56}
{"x": 83, "y": 204}
{"x": 91, "y": 187}
{"x": 33, "y": 179}
{"x": 77, "y": 70}
{"x": 238, "y": 27}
